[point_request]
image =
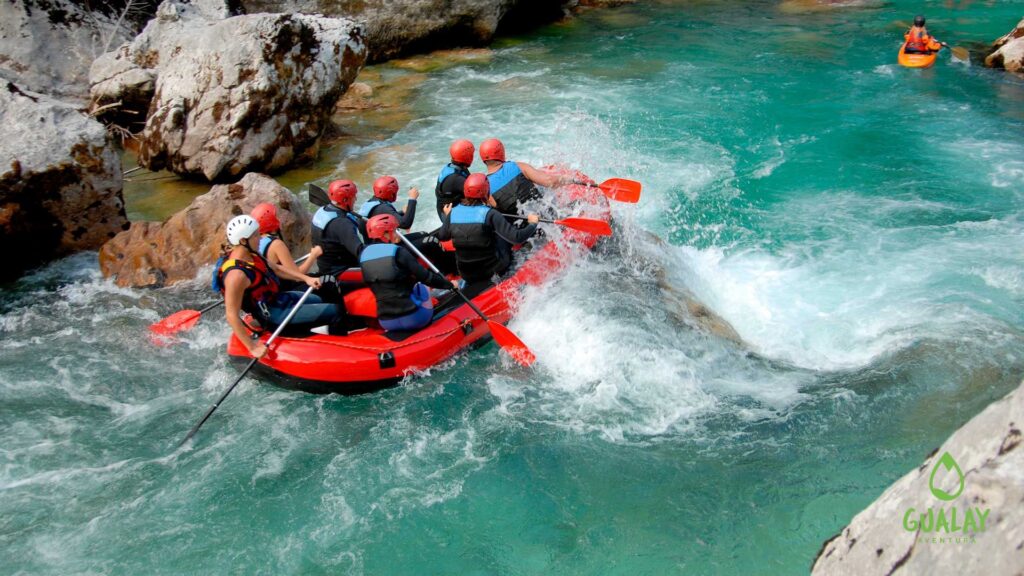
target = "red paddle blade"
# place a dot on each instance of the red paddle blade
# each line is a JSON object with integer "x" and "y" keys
{"x": 177, "y": 322}
{"x": 589, "y": 225}
{"x": 511, "y": 344}
{"x": 621, "y": 189}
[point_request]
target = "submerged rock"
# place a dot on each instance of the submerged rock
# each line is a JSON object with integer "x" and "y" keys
{"x": 60, "y": 185}
{"x": 229, "y": 94}
{"x": 964, "y": 506}
{"x": 153, "y": 254}
{"x": 1008, "y": 52}
{"x": 47, "y": 45}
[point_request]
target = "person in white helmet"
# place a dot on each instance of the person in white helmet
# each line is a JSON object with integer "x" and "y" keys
{"x": 248, "y": 282}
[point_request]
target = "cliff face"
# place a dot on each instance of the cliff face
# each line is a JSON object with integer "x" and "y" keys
{"x": 400, "y": 27}
{"x": 963, "y": 507}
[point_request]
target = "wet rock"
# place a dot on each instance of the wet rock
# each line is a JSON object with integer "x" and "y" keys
{"x": 988, "y": 452}
{"x": 153, "y": 254}
{"x": 1008, "y": 52}
{"x": 223, "y": 94}
{"x": 47, "y": 46}
{"x": 398, "y": 27}
{"x": 60, "y": 181}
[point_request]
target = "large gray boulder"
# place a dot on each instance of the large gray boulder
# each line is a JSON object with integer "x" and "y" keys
{"x": 1008, "y": 52}
{"x": 399, "y": 27}
{"x": 229, "y": 94}
{"x": 60, "y": 181}
{"x": 47, "y": 46}
{"x": 979, "y": 472}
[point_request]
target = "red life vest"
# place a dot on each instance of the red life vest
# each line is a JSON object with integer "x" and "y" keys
{"x": 918, "y": 40}
{"x": 263, "y": 283}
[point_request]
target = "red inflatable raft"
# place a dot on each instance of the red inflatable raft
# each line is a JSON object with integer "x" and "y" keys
{"x": 368, "y": 359}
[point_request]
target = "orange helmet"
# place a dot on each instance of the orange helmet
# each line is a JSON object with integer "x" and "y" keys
{"x": 266, "y": 215}
{"x": 343, "y": 193}
{"x": 477, "y": 186}
{"x": 380, "y": 225}
{"x": 462, "y": 152}
{"x": 386, "y": 188}
{"x": 492, "y": 149}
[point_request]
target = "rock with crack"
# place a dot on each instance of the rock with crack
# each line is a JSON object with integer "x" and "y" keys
{"x": 60, "y": 185}
{"x": 153, "y": 254}
{"x": 1008, "y": 52}
{"x": 989, "y": 452}
{"x": 224, "y": 94}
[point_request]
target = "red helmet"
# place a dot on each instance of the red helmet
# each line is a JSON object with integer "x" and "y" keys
{"x": 266, "y": 215}
{"x": 462, "y": 152}
{"x": 380, "y": 225}
{"x": 386, "y": 188}
{"x": 342, "y": 193}
{"x": 492, "y": 149}
{"x": 477, "y": 186}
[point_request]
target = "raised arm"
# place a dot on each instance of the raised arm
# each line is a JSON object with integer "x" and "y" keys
{"x": 543, "y": 178}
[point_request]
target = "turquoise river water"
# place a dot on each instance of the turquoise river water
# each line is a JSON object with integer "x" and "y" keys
{"x": 860, "y": 226}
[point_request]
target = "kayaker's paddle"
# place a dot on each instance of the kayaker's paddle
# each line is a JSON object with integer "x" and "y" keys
{"x": 502, "y": 335}
{"x": 185, "y": 320}
{"x": 617, "y": 189}
{"x": 252, "y": 363}
{"x": 589, "y": 225}
{"x": 959, "y": 52}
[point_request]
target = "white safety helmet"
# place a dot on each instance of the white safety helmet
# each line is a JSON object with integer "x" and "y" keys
{"x": 241, "y": 227}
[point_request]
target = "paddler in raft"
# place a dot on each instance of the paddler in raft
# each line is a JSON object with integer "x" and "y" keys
{"x": 272, "y": 246}
{"x": 514, "y": 182}
{"x": 453, "y": 176}
{"x": 385, "y": 192}
{"x": 335, "y": 229}
{"x": 248, "y": 282}
{"x": 483, "y": 238}
{"x": 919, "y": 41}
{"x": 397, "y": 279}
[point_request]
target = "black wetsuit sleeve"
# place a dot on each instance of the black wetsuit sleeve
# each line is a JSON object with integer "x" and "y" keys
{"x": 445, "y": 231}
{"x": 346, "y": 234}
{"x": 505, "y": 229}
{"x": 406, "y": 261}
{"x": 406, "y": 218}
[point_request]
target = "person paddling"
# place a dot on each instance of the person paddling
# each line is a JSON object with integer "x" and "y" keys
{"x": 483, "y": 238}
{"x": 385, "y": 191}
{"x": 453, "y": 176}
{"x": 335, "y": 229}
{"x": 272, "y": 246}
{"x": 397, "y": 279}
{"x": 249, "y": 283}
{"x": 919, "y": 41}
{"x": 514, "y": 182}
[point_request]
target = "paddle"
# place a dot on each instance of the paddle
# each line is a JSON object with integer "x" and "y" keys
{"x": 589, "y": 225}
{"x": 252, "y": 363}
{"x": 185, "y": 320}
{"x": 618, "y": 189}
{"x": 502, "y": 335}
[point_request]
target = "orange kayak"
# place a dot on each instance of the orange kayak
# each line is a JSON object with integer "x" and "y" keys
{"x": 915, "y": 60}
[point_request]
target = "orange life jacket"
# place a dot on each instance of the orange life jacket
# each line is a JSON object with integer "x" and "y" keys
{"x": 263, "y": 283}
{"x": 918, "y": 40}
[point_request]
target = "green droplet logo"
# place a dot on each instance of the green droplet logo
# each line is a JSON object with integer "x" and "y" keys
{"x": 948, "y": 463}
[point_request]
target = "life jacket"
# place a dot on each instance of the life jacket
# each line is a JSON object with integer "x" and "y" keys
{"x": 391, "y": 285}
{"x": 263, "y": 283}
{"x": 449, "y": 196}
{"x": 265, "y": 241}
{"x": 334, "y": 256}
{"x": 366, "y": 210}
{"x": 509, "y": 187}
{"x": 918, "y": 40}
{"x": 475, "y": 248}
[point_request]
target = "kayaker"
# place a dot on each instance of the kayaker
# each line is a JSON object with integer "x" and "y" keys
{"x": 249, "y": 282}
{"x": 453, "y": 176}
{"x": 385, "y": 191}
{"x": 335, "y": 229}
{"x": 483, "y": 238}
{"x": 514, "y": 182}
{"x": 398, "y": 281}
{"x": 918, "y": 39}
{"x": 272, "y": 246}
